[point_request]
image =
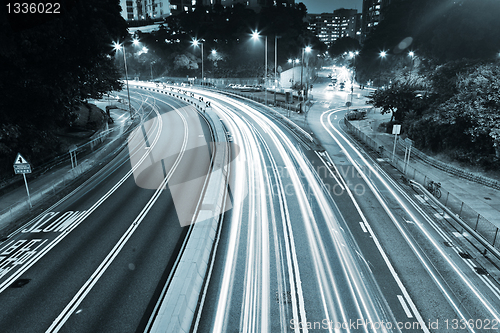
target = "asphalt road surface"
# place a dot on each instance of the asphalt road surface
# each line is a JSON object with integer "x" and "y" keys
{"x": 93, "y": 262}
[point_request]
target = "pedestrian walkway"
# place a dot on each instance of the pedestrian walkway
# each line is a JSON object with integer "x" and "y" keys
{"x": 15, "y": 204}
{"x": 484, "y": 200}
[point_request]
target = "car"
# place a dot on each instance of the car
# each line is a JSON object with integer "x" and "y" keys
{"x": 330, "y": 86}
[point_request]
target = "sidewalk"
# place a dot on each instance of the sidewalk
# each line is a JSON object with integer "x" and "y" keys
{"x": 45, "y": 187}
{"x": 484, "y": 200}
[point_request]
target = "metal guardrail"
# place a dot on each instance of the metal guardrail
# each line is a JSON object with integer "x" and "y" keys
{"x": 179, "y": 306}
{"x": 485, "y": 230}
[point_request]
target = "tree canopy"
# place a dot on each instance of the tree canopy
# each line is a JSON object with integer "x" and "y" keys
{"x": 49, "y": 67}
{"x": 229, "y": 31}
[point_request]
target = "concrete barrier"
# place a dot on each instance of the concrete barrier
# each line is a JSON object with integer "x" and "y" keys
{"x": 177, "y": 310}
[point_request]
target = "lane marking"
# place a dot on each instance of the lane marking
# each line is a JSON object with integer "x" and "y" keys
{"x": 363, "y": 226}
{"x": 374, "y": 237}
{"x": 61, "y": 319}
{"x": 329, "y": 169}
{"x": 426, "y": 264}
{"x": 405, "y": 307}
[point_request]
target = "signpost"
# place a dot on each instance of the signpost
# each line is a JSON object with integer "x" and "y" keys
{"x": 72, "y": 156}
{"x": 396, "y": 129}
{"x": 409, "y": 143}
{"x": 21, "y": 166}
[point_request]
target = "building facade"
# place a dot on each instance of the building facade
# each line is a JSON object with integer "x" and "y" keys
{"x": 329, "y": 27}
{"x": 372, "y": 15}
{"x": 137, "y": 10}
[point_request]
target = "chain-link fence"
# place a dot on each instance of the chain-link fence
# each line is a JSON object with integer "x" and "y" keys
{"x": 473, "y": 219}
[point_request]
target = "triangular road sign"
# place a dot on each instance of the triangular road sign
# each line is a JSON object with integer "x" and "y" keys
{"x": 20, "y": 159}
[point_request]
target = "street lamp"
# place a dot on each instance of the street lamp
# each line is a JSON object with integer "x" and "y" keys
{"x": 275, "y": 64}
{"x": 145, "y": 50}
{"x": 306, "y": 49}
{"x": 382, "y": 55}
{"x": 411, "y": 54}
{"x": 353, "y": 56}
{"x": 119, "y": 47}
{"x": 256, "y": 36}
{"x": 293, "y": 62}
{"x": 214, "y": 56}
{"x": 195, "y": 43}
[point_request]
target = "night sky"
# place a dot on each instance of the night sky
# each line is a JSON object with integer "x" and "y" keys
{"x": 328, "y": 6}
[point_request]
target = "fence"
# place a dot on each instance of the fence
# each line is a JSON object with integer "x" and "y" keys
{"x": 468, "y": 215}
{"x": 453, "y": 170}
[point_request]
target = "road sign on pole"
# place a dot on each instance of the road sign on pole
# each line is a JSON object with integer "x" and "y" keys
{"x": 396, "y": 129}
{"x": 21, "y": 166}
{"x": 409, "y": 143}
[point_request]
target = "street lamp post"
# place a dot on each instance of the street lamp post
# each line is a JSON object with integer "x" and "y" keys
{"x": 411, "y": 54}
{"x": 195, "y": 42}
{"x": 382, "y": 56}
{"x": 293, "y": 62}
{"x": 118, "y": 47}
{"x": 214, "y": 54}
{"x": 255, "y": 36}
{"x": 145, "y": 50}
{"x": 304, "y": 49}
{"x": 353, "y": 55}
{"x": 275, "y": 64}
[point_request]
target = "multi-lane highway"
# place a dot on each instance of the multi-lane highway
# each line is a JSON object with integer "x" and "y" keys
{"x": 93, "y": 262}
{"x": 315, "y": 239}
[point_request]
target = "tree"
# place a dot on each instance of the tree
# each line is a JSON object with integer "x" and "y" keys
{"x": 48, "y": 69}
{"x": 186, "y": 60}
{"x": 399, "y": 99}
{"x": 477, "y": 100}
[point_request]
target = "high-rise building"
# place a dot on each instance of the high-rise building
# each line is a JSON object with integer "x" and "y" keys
{"x": 329, "y": 27}
{"x": 372, "y": 15}
{"x": 256, "y": 5}
{"x": 136, "y": 10}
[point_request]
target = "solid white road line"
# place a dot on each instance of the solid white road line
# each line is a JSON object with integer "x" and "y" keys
{"x": 59, "y": 322}
{"x": 405, "y": 307}
{"x": 374, "y": 237}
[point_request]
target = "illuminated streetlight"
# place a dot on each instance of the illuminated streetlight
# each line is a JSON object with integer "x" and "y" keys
{"x": 382, "y": 55}
{"x": 275, "y": 65}
{"x": 256, "y": 36}
{"x": 304, "y": 49}
{"x": 411, "y": 54}
{"x": 195, "y": 43}
{"x": 117, "y": 48}
{"x": 293, "y": 62}
{"x": 353, "y": 56}
{"x": 136, "y": 42}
